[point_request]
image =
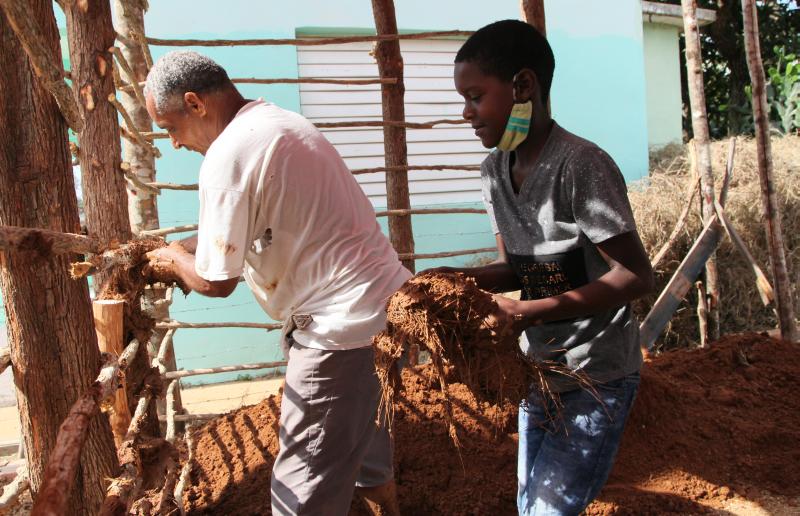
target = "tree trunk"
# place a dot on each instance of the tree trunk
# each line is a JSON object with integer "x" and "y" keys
{"x": 533, "y": 13}
{"x": 390, "y": 64}
{"x": 697, "y": 100}
{"x": 769, "y": 198}
{"x": 725, "y": 32}
{"x": 142, "y": 204}
{"x": 90, "y": 34}
{"x": 50, "y": 328}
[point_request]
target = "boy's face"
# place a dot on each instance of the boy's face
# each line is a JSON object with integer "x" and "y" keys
{"x": 487, "y": 102}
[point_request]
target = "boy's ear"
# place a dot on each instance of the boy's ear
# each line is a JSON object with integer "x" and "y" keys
{"x": 526, "y": 86}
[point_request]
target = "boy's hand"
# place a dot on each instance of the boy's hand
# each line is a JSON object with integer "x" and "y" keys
{"x": 508, "y": 320}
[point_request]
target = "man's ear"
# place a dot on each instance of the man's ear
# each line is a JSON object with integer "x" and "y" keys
{"x": 194, "y": 104}
{"x": 526, "y": 86}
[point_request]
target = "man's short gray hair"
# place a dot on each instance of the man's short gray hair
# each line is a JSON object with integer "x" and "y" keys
{"x": 180, "y": 71}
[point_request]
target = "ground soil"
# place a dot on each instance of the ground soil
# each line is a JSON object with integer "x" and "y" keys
{"x": 712, "y": 431}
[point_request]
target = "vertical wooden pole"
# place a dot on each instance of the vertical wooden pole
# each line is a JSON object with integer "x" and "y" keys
{"x": 533, "y": 13}
{"x": 50, "y": 330}
{"x": 697, "y": 103}
{"x": 390, "y": 64}
{"x": 108, "y": 316}
{"x": 142, "y": 204}
{"x": 769, "y": 198}
{"x": 91, "y": 33}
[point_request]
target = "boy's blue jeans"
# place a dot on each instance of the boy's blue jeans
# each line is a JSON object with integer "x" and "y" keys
{"x": 563, "y": 464}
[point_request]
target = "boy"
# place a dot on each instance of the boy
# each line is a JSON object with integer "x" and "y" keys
{"x": 567, "y": 238}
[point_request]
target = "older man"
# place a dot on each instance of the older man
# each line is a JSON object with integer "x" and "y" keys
{"x": 279, "y": 206}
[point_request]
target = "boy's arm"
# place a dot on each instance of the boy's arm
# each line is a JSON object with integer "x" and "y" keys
{"x": 630, "y": 277}
{"x": 497, "y": 276}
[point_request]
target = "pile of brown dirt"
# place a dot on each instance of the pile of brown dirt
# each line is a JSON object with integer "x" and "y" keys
{"x": 449, "y": 317}
{"x": 709, "y": 427}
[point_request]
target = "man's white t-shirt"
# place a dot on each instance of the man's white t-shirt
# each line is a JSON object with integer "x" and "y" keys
{"x": 278, "y": 204}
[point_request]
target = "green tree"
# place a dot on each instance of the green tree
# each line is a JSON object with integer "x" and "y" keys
{"x": 724, "y": 65}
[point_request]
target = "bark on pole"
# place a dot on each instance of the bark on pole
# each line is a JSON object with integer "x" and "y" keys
{"x": 697, "y": 104}
{"x": 769, "y": 198}
{"x": 51, "y": 335}
{"x": 108, "y": 317}
{"x": 390, "y": 64}
{"x": 533, "y": 14}
{"x": 142, "y": 203}
{"x": 91, "y": 33}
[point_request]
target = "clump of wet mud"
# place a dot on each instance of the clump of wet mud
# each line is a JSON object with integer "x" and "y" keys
{"x": 446, "y": 315}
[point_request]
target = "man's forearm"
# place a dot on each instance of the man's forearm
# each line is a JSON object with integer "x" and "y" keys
{"x": 189, "y": 243}
{"x": 184, "y": 267}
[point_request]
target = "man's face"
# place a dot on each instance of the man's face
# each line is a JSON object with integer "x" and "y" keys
{"x": 487, "y": 102}
{"x": 184, "y": 126}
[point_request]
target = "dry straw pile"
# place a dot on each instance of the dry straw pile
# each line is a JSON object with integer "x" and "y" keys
{"x": 658, "y": 202}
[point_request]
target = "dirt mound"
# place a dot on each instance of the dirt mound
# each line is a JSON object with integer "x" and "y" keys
{"x": 709, "y": 427}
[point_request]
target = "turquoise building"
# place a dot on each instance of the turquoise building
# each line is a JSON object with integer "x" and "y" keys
{"x": 617, "y": 83}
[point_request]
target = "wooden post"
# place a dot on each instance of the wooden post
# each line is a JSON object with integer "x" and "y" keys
{"x": 108, "y": 315}
{"x": 90, "y": 34}
{"x": 50, "y": 330}
{"x": 769, "y": 198}
{"x": 390, "y": 64}
{"x": 697, "y": 102}
{"x": 533, "y": 13}
{"x": 142, "y": 203}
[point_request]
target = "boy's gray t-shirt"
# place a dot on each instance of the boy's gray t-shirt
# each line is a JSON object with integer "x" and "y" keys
{"x": 573, "y": 199}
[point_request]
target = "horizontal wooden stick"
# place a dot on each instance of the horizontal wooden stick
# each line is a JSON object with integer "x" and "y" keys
{"x": 59, "y": 475}
{"x": 355, "y": 171}
{"x": 5, "y": 358}
{"x": 184, "y": 418}
{"x": 302, "y": 42}
{"x": 171, "y": 375}
{"x": 447, "y": 254}
{"x": 179, "y": 324}
{"x": 305, "y": 80}
{"x": 763, "y": 285}
{"x": 17, "y": 238}
{"x": 405, "y": 168}
{"x": 131, "y": 127}
{"x": 168, "y": 231}
{"x": 155, "y": 135}
{"x": 12, "y": 491}
{"x": 41, "y": 57}
{"x": 427, "y": 211}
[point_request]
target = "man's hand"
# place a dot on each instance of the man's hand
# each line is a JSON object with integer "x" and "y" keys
{"x": 165, "y": 258}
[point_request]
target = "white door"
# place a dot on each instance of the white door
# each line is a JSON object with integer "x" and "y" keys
{"x": 430, "y": 95}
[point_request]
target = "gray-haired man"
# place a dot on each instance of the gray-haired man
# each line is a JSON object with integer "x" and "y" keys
{"x": 279, "y": 206}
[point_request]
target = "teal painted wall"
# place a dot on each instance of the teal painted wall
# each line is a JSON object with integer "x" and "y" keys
{"x": 598, "y": 93}
{"x": 663, "y": 84}
{"x": 598, "y": 88}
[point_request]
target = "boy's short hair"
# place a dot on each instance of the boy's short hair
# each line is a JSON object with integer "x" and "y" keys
{"x": 503, "y": 48}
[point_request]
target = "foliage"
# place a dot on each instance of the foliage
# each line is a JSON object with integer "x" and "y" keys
{"x": 783, "y": 91}
{"x": 725, "y": 70}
